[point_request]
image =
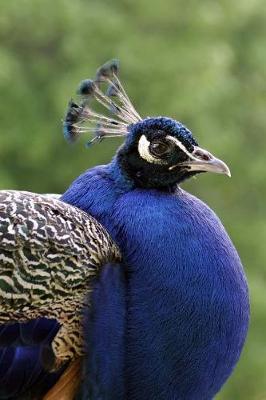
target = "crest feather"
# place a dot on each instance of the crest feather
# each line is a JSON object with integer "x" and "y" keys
{"x": 81, "y": 118}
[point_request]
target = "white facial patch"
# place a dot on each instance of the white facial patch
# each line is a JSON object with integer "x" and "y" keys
{"x": 144, "y": 152}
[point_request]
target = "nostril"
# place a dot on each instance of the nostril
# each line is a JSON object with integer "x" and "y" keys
{"x": 206, "y": 157}
{"x": 203, "y": 155}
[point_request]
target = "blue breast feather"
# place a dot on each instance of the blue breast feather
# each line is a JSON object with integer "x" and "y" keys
{"x": 187, "y": 296}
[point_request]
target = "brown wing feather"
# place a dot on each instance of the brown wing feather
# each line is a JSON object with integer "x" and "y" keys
{"x": 67, "y": 385}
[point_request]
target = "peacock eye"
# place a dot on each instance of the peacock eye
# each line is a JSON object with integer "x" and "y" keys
{"x": 158, "y": 148}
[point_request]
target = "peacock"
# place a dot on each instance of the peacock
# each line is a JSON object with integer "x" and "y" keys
{"x": 126, "y": 272}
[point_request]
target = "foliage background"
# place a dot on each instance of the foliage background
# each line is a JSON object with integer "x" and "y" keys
{"x": 202, "y": 62}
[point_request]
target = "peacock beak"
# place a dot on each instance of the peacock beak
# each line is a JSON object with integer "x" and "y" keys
{"x": 203, "y": 161}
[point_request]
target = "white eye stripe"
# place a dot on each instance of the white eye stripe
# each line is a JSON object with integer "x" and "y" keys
{"x": 181, "y": 146}
{"x": 144, "y": 151}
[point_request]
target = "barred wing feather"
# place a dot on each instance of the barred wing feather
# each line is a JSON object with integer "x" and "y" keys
{"x": 50, "y": 253}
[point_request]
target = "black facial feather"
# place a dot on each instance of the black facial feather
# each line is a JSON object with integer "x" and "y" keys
{"x": 150, "y": 174}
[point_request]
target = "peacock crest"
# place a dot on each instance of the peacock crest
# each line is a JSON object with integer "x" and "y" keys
{"x": 107, "y": 90}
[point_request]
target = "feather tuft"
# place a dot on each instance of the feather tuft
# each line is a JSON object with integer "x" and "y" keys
{"x": 112, "y": 90}
{"x": 73, "y": 116}
{"x": 107, "y": 70}
{"x": 81, "y": 118}
{"x": 87, "y": 87}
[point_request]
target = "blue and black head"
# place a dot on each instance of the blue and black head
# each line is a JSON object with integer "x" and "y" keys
{"x": 158, "y": 152}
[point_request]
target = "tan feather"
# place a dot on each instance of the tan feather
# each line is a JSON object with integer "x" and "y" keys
{"x": 67, "y": 386}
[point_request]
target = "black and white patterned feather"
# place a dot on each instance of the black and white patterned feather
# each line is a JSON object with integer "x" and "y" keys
{"x": 50, "y": 252}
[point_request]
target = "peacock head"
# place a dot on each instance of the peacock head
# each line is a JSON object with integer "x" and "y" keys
{"x": 158, "y": 152}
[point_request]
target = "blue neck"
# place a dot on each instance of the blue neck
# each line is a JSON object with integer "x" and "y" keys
{"x": 187, "y": 301}
{"x": 121, "y": 181}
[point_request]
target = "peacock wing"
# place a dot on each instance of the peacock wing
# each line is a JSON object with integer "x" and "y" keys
{"x": 50, "y": 254}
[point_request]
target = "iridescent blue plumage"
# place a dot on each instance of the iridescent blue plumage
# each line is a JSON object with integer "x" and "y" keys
{"x": 187, "y": 300}
{"x": 21, "y": 372}
{"x": 187, "y": 306}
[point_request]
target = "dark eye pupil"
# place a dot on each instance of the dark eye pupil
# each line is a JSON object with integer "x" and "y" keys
{"x": 159, "y": 148}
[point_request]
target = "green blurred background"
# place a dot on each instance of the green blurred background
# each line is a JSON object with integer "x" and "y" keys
{"x": 201, "y": 62}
